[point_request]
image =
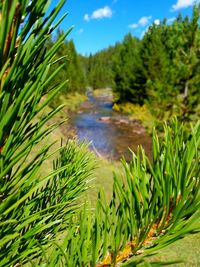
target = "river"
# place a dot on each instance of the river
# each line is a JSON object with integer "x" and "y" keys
{"x": 111, "y": 134}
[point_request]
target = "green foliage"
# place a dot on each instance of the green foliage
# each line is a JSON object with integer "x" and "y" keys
{"x": 71, "y": 70}
{"x": 156, "y": 60}
{"x": 154, "y": 205}
{"x": 129, "y": 81}
{"x": 34, "y": 208}
{"x": 171, "y": 57}
{"x": 98, "y": 69}
{"x": 137, "y": 112}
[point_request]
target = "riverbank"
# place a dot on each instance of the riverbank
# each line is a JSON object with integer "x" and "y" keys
{"x": 111, "y": 134}
{"x": 134, "y": 112}
{"x": 127, "y": 113}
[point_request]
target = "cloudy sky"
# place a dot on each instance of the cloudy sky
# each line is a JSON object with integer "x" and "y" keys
{"x": 98, "y": 24}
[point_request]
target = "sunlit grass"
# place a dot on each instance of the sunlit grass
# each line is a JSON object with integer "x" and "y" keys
{"x": 137, "y": 112}
{"x": 103, "y": 92}
{"x": 71, "y": 101}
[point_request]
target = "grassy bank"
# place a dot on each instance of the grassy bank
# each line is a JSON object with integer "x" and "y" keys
{"x": 73, "y": 101}
{"x": 63, "y": 131}
{"x": 70, "y": 100}
{"x": 136, "y": 112}
{"x": 103, "y": 92}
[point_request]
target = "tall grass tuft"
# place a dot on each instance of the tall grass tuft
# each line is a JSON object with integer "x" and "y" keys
{"x": 152, "y": 206}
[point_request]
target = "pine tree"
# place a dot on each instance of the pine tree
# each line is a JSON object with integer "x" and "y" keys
{"x": 72, "y": 68}
{"x": 35, "y": 207}
{"x": 128, "y": 71}
{"x": 158, "y": 71}
{"x": 187, "y": 61}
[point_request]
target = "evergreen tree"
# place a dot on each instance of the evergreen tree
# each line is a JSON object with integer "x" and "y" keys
{"x": 72, "y": 67}
{"x": 156, "y": 61}
{"x": 187, "y": 62}
{"x": 128, "y": 72}
{"x": 98, "y": 69}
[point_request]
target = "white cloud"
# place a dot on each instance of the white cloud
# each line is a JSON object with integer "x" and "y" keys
{"x": 105, "y": 12}
{"x": 156, "y": 22}
{"x": 143, "y": 21}
{"x": 100, "y": 13}
{"x": 183, "y": 4}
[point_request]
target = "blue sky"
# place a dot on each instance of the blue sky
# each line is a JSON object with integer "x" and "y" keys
{"x": 98, "y": 24}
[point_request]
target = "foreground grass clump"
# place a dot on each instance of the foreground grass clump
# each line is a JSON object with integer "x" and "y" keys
{"x": 152, "y": 206}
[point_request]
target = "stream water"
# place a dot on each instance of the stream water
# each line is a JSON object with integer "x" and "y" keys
{"x": 110, "y": 134}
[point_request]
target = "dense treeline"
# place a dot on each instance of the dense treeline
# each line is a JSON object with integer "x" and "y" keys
{"x": 171, "y": 63}
{"x": 162, "y": 69}
{"x": 72, "y": 68}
